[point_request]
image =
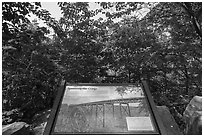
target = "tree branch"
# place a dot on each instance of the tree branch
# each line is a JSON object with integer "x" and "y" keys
{"x": 189, "y": 11}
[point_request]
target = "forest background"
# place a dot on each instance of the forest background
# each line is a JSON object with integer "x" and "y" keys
{"x": 164, "y": 48}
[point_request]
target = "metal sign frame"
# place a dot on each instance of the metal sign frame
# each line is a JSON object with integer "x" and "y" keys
{"x": 152, "y": 108}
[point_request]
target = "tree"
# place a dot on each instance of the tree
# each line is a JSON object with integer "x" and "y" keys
{"x": 13, "y": 16}
{"x": 81, "y": 49}
{"x": 30, "y": 76}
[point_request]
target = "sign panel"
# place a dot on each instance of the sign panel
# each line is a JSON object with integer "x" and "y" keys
{"x": 105, "y": 109}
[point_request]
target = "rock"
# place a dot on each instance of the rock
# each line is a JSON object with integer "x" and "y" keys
{"x": 16, "y": 128}
{"x": 21, "y": 128}
{"x": 193, "y": 116}
{"x": 11, "y": 116}
{"x": 168, "y": 121}
{"x": 194, "y": 108}
{"x": 196, "y": 126}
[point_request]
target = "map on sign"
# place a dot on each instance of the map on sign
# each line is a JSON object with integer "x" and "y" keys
{"x": 104, "y": 109}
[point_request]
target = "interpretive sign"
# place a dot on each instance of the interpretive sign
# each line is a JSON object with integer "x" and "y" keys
{"x": 103, "y": 109}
